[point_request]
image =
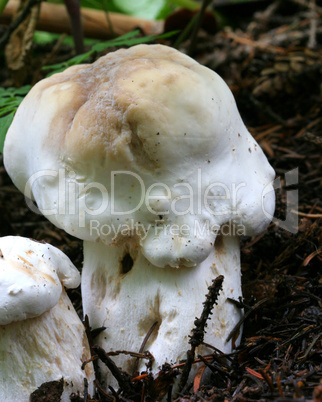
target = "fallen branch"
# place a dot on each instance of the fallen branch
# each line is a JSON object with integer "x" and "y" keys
{"x": 54, "y": 18}
{"x": 122, "y": 378}
{"x": 198, "y": 332}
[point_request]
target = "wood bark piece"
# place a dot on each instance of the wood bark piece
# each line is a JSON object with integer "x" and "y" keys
{"x": 54, "y": 18}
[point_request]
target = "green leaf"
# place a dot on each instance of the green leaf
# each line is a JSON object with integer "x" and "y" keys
{"x": 149, "y": 38}
{"x": 3, "y": 4}
{"x": 59, "y": 67}
{"x": 22, "y": 90}
{"x": 148, "y": 9}
{"x": 120, "y": 41}
{"x": 10, "y": 99}
{"x": 165, "y": 11}
{"x": 189, "y": 4}
{"x": 5, "y": 110}
{"x": 4, "y": 125}
{"x": 6, "y": 101}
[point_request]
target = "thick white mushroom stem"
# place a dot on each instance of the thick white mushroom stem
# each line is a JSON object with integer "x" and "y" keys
{"x": 125, "y": 293}
{"x": 41, "y": 349}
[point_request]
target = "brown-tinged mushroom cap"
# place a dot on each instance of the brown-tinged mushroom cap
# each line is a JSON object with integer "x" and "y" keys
{"x": 152, "y": 115}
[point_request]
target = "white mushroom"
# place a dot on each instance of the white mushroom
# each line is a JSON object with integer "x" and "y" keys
{"x": 144, "y": 156}
{"x": 42, "y": 338}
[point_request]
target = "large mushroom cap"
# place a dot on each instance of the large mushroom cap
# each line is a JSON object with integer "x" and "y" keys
{"x": 95, "y": 138}
{"x": 31, "y": 278}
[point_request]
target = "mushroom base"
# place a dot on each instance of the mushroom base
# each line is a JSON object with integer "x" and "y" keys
{"x": 42, "y": 349}
{"x": 125, "y": 293}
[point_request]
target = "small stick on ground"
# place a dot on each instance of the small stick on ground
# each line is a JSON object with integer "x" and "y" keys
{"x": 240, "y": 322}
{"x": 103, "y": 393}
{"x": 198, "y": 331}
{"x": 146, "y": 338}
{"x": 201, "y": 14}
{"x": 85, "y": 390}
{"x": 122, "y": 378}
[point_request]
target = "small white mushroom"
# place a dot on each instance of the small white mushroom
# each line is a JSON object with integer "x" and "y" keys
{"x": 42, "y": 338}
{"x": 145, "y": 157}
